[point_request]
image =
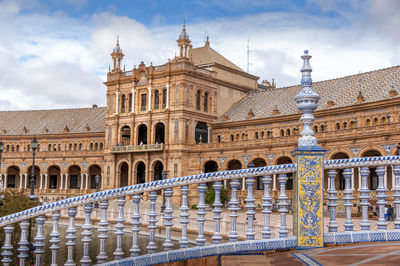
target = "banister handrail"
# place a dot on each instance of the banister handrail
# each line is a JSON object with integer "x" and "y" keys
{"x": 185, "y": 180}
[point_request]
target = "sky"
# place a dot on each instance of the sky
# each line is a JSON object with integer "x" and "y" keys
{"x": 55, "y": 53}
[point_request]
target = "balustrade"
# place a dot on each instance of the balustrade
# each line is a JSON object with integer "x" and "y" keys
{"x": 208, "y": 225}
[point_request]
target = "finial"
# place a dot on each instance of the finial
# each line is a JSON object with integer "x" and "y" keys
{"x": 117, "y": 48}
{"x": 117, "y": 38}
{"x": 124, "y": 67}
{"x": 307, "y": 101}
{"x": 207, "y": 41}
{"x": 109, "y": 68}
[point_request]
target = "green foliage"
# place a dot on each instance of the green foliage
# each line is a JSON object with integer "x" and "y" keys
{"x": 194, "y": 207}
{"x": 14, "y": 202}
{"x": 210, "y": 195}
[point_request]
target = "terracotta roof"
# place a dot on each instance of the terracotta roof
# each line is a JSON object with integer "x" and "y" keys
{"x": 374, "y": 86}
{"x": 61, "y": 121}
{"x": 206, "y": 55}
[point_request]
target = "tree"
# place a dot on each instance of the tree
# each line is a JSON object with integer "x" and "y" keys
{"x": 14, "y": 202}
{"x": 210, "y": 195}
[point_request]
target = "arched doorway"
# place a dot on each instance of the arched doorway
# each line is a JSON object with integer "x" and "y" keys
{"x": 339, "y": 180}
{"x": 125, "y": 136}
{"x": 157, "y": 170}
{"x": 74, "y": 172}
{"x": 259, "y": 162}
{"x": 210, "y": 166}
{"x": 123, "y": 176}
{"x": 142, "y": 134}
{"x": 160, "y": 133}
{"x": 13, "y": 177}
{"x": 201, "y": 133}
{"x": 141, "y": 173}
{"x": 93, "y": 171}
{"x": 54, "y": 176}
{"x": 36, "y": 177}
{"x": 287, "y": 160}
{"x": 373, "y": 176}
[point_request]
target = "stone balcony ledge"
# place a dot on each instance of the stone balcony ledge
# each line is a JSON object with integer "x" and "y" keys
{"x": 138, "y": 148}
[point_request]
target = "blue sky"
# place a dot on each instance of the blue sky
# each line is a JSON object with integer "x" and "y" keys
{"x": 55, "y": 54}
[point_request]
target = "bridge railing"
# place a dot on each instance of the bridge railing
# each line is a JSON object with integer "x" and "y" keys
{"x": 222, "y": 226}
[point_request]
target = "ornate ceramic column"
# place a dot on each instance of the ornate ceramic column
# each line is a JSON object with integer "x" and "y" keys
{"x": 119, "y": 253}
{"x": 87, "y": 233}
{"x": 396, "y": 195}
{"x": 168, "y": 219}
{"x": 364, "y": 197}
{"x": 201, "y": 212}
{"x": 23, "y": 243}
{"x": 135, "y": 250}
{"x": 55, "y": 238}
{"x": 184, "y": 241}
{"x": 267, "y": 205}
{"x": 348, "y": 198}
{"x": 309, "y": 188}
{"x": 234, "y": 208}
{"x": 217, "y": 212}
{"x": 152, "y": 220}
{"x": 332, "y": 205}
{"x": 7, "y": 247}
{"x": 250, "y": 208}
{"x": 283, "y": 205}
{"x": 381, "y": 195}
{"x": 71, "y": 236}
{"x": 39, "y": 240}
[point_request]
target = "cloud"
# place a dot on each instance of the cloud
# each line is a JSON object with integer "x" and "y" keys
{"x": 51, "y": 60}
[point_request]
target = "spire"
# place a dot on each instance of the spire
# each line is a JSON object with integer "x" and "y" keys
{"x": 307, "y": 101}
{"x": 183, "y": 34}
{"x": 117, "y": 48}
{"x": 207, "y": 41}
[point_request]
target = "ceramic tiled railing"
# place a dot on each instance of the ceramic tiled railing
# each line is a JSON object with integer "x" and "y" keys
{"x": 256, "y": 236}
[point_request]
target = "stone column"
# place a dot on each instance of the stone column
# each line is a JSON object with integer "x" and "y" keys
{"x": 116, "y": 102}
{"x": 26, "y": 181}
{"x": 20, "y": 181}
{"x": 5, "y": 180}
{"x": 102, "y": 181}
{"x": 149, "y": 107}
{"x": 87, "y": 181}
{"x": 66, "y": 181}
{"x": 385, "y": 179}
{"x": 274, "y": 183}
{"x": 133, "y": 101}
{"x": 352, "y": 179}
{"x": 167, "y": 103}
{"x": 41, "y": 181}
{"x": 61, "y": 181}
{"x": 46, "y": 177}
{"x": 82, "y": 181}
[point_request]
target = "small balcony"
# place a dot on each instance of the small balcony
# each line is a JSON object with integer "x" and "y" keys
{"x": 138, "y": 148}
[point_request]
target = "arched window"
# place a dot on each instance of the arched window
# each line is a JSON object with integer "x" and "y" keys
{"x": 383, "y": 120}
{"x": 12, "y": 148}
{"x": 49, "y": 147}
{"x": 156, "y": 99}
{"x": 123, "y": 102}
{"x": 368, "y": 122}
{"x": 59, "y": 147}
{"x": 130, "y": 102}
{"x": 75, "y": 147}
{"x": 282, "y": 132}
{"x": 256, "y": 135}
{"x": 80, "y": 146}
{"x": 337, "y": 126}
{"x": 315, "y": 129}
{"x": 96, "y": 146}
{"x": 17, "y": 148}
{"x": 29, "y": 147}
{"x": 205, "y": 103}
{"x": 198, "y": 95}
{"x": 232, "y": 138}
{"x": 375, "y": 121}
{"x": 101, "y": 145}
{"x": 164, "y": 98}
{"x": 91, "y": 146}
{"x": 288, "y": 132}
{"x": 219, "y": 139}
{"x": 70, "y": 146}
{"x": 345, "y": 125}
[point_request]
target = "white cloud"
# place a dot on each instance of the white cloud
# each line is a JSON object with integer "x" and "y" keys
{"x": 53, "y": 61}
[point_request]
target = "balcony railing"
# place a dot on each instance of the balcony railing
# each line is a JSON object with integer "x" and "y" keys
{"x": 138, "y": 148}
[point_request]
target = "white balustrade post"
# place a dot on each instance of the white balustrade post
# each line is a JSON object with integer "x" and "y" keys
{"x": 168, "y": 218}
{"x": 152, "y": 220}
{"x": 7, "y": 247}
{"x": 135, "y": 250}
{"x": 396, "y": 195}
{"x": 381, "y": 195}
{"x": 267, "y": 206}
{"x": 283, "y": 205}
{"x": 55, "y": 238}
{"x": 348, "y": 204}
{"x": 217, "y": 212}
{"x": 87, "y": 233}
{"x": 234, "y": 208}
{"x": 71, "y": 236}
{"x": 201, "y": 212}
{"x": 364, "y": 197}
{"x": 39, "y": 240}
{"x": 250, "y": 209}
{"x": 23, "y": 249}
{"x": 332, "y": 198}
{"x": 119, "y": 253}
{"x": 103, "y": 230}
{"x": 184, "y": 241}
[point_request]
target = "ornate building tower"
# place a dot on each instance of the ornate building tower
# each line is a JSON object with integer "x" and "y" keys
{"x": 184, "y": 43}
{"x": 117, "y": 56}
